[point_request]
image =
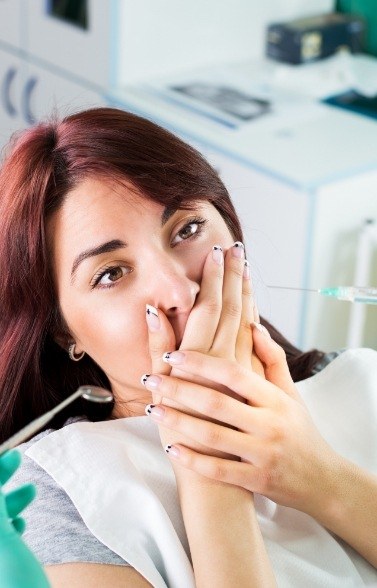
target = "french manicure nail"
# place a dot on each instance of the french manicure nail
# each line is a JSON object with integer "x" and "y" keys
{"x": 172, "y": 450}
{"x": 238, "y": 249}
{"x": 246, "y": 270}
{"x": 150, "y": 381}
{"x": 173, "y": 357}
{"x": 154, "y": 411}
{"x": 217, "y": 254}
{"x": 262, "y": 329}
{"x": 152, "y": 318}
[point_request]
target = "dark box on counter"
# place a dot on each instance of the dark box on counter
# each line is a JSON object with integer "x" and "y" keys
{"x": 309, "y": 39}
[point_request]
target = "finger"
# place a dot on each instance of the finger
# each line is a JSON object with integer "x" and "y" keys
{"x": 204, "y": 317}
{"x": 231, "y": 472}
{"x": 207, "y": 433}
{"x": 228, "y": 373}
{"x": 19, "y": 525}
{"x": 226, "y": 335}
{"x": 9, "y": 462}
{"x": 274, "y": 360}
{"x": 160, "y": 333}
{"x": 19, "y": 499}
{"x": 202, "y": 401}
{"x": 244, "y": 342}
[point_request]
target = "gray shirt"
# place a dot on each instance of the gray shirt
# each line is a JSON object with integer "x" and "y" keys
{"x": 55, "y": 532}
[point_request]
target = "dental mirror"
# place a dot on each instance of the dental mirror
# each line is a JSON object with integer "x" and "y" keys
{"x": 92, "y": 393}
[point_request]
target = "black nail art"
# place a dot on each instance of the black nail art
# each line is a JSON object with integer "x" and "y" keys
{"x": 144, "y": 378}
{"x": 149, "y": 409}
{"x": 151, "y": 310}
{"x": 167, "y": 448}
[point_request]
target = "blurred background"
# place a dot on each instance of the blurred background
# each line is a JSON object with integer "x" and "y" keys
{"x": 279, "y": 95}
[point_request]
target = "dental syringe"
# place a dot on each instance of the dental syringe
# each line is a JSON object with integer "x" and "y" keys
{"x": 364, "y": 294}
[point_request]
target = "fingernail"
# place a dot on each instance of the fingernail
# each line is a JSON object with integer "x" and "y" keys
{"x": 172, "y": 450}
{"x": 174, "y": 357}
{"x": 246, "y": 270}
{"x": 150, "y": 381}
{"x": 154, "y": 411}
{"x": 238, "y": 250}
{"x": 217, "y": 254}
{"x": 152, "y": 318}
{"x": 262, "y": 329}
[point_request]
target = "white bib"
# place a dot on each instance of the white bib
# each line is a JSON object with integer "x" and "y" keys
{"x": 122, "y": 484}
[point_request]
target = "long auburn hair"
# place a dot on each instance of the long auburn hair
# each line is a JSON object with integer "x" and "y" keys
{"x": 46, "y": 162}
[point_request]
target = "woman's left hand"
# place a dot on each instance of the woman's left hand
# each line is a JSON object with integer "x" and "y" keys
{"x": 283, "y": 456}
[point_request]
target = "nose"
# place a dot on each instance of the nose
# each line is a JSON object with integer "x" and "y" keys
{"x": 173, "y": 287}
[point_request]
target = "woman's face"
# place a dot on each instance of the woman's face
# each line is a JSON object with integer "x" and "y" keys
{"x": 113, "y": 253}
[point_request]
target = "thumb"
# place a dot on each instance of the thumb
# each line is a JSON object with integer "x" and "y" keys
{"x": 273, "y": 357}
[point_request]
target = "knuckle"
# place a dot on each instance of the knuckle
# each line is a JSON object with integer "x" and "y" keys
{"x": 245, "y": 326}
{"x": 174, "y": 418}
{"x": 212, "y": 306}
{"x": 215, "y": 403}
{"x": 232, "y": 308}
{"x": 156, "y": 349}
{"x": 172, "y": 387}
{"x": 265, "y": 481}
{"x": 218, "y": 471}
{"x": 276, "y": 433}
{"x": 213, "y": 436}
{"x": 238, "y": 269}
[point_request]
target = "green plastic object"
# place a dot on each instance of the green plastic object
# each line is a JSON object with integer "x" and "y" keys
{"x": 367, "y": 9}
{"x": 19, "y": 568}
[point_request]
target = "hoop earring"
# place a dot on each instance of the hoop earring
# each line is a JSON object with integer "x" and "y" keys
{"x": 71, "y": 353}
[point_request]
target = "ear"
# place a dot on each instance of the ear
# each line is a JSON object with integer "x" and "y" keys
{"x": 63, "y": 340}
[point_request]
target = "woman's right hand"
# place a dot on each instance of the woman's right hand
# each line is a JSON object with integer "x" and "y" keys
{"x": 218, "y": 325}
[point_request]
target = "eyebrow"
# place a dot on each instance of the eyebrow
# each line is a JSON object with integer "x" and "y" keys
{"x": 94, "y": 251}
{"x": 115, "y": 244}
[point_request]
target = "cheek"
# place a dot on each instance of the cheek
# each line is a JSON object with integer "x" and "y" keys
{"x": 113, "y": 334}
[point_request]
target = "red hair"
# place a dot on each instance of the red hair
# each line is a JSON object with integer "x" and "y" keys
{"x": 45, "y": 163}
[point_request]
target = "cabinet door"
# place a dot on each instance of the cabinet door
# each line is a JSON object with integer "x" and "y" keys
{"x": 45, "y": 93}
{"x": 10, "y": 22}
{"x": 11, "y": 80}
{"x": 74, "y": 37}
{"x": 342, "y": 209}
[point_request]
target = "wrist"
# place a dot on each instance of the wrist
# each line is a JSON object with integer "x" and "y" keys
{"x": 326, "y": 502}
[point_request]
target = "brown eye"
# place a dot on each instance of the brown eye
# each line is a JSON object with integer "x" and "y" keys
{"x": 188, "y": 230}
{"x": 111, "y": 275}
{"x": 191, "y": 229}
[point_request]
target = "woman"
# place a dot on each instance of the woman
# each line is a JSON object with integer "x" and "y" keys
{"x": 105, "y": 215}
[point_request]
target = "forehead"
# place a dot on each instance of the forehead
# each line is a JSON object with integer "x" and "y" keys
{"x": 95, "y": 205}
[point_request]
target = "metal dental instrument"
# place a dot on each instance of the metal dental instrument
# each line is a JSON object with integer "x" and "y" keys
{"x": 92, "y": 393}
{"x": 364, "y": 294}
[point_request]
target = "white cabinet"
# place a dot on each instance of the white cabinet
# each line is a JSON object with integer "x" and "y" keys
{"x": 82, "y": 51}
{"x": 30, "y": 93}
{"x": 12, "y": 72}
{"x": 54, "y": 94}
{"x": 10, "y": 22}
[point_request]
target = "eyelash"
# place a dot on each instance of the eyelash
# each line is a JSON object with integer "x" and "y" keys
{"x": 201, "y": 222}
